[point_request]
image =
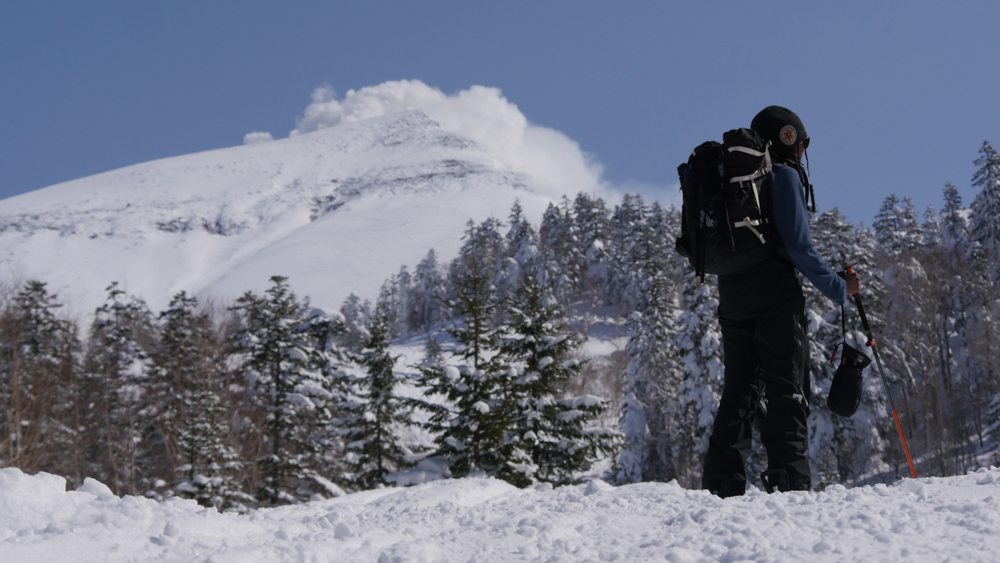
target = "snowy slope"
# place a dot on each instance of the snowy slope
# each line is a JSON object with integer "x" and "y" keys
{"x": 336, "y": 210}
{"x": 934, "y": 519}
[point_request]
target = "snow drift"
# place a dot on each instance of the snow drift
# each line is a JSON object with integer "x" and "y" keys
{"x": 931, "y": 519}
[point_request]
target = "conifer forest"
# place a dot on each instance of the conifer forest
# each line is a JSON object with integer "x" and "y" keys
{"x": 268, "y": 401}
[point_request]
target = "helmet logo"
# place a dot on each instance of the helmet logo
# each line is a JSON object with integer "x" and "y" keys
{"x": 788, "y": 135}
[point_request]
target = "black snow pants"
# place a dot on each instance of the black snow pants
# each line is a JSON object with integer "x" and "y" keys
{"x": 762, "y": 316}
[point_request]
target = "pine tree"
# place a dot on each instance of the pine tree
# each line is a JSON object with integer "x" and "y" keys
{"x": 114, "y": 380}
{"x": 984, "y": 226}
{"x": 954, "y": 227}
{"x": 485, "y": 250}
{"x": 404, "y": 294}
{"x": 629, "y": 242}
{"x": 981, "y": 358}
{"x": 426, "y": 294}
{"x": 593, "y": 225}
{"x": 470, "y": 428}
{"x": 188, "y": 418}
{"x": 560, "y": 241}
{"x": 38, "y": 385}
{"x": 553, "y": 435}
{"x": 931, "y": 230}
{"x": 286, "y": 360}
{"x": 698, "y": 344}
{"x": 357, "y": 317}
{"x": 388, "y": 305}
{"x": 372, "y": 421}
{"x": 652, "y": 381}
{"x": 393, "y": 302}
{"x": 896, "y": 227}
{"x": 525, "y": 257}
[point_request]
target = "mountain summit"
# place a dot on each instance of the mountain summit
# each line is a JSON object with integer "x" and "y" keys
{"x": 336, "y": 210}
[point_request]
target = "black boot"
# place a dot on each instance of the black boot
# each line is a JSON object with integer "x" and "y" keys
{"x": 720, "y": 486}
{"x": 775, "y": 479}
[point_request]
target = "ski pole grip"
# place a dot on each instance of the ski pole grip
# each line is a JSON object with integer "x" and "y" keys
{"x": 849, "y": 270}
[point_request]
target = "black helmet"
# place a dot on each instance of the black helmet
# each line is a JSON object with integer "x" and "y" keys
{"x": 783, "y": 128}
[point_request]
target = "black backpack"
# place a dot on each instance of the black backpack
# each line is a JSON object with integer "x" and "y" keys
{"x": 726, "y": 222}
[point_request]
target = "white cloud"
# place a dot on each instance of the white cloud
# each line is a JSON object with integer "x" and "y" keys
{"x": 480, "y": 114}
{"x": 257, "y": 137}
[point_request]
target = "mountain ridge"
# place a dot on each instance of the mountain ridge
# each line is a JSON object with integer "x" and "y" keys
{"x": 222, "y": 222}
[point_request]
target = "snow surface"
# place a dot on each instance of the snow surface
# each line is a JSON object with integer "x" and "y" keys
{"x": 336, "y": 210}
{"x": 480, "y": 519}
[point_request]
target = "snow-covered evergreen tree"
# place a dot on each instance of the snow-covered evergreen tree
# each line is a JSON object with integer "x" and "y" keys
{"x": 698, "y": 344}
{"x": 393, "y": 302}
{"x": 954, "y": 227}
{"x": 285, "y": 347}
{"x": 896, "y": 227}
{"x": 470, "y": 428}
{"x": 38, "y": 385}
{"x": 187, "y": 415}
{"x": 554, "y": 433}
{"x": 629, "y": 242}
{"x": 645, "y": 253}
{"x": 484, "y": 248}
{"x": 114, "y": 380}
{"x": 981, "y": 359}
{"x": 427, "y": 290}
{"x": 560, "y": 241}
{"x": 594, "y": 226}
{"x": 930, "y": 230}
{"x": 357, "y": 317}
{"x": 525, "y": 257}
{"x": 984, "y": 225}
{"x": 370, "y": 426}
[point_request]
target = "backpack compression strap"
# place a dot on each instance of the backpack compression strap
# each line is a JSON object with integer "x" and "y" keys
{"x": 750, "y": 224}
{"x": 752, "y": 178}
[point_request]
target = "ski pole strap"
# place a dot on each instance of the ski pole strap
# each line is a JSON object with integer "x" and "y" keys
{"x": 843, "y": 322}
{"x": 864, "y": 320}
{"x": 843, "y": 330}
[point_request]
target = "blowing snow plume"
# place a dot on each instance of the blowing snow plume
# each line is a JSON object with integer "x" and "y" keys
{"x": 480, "y": 114}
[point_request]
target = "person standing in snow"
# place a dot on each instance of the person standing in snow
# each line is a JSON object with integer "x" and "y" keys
{"x": 765, "y": 346}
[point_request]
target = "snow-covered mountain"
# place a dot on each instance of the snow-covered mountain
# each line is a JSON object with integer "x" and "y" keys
{"x": 336, "y": 210}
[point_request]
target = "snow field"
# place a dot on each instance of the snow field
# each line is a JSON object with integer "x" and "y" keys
{"x": 481, "y": 519}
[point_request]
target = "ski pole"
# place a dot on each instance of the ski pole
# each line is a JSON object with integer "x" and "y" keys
{"x": 881, "y": 372}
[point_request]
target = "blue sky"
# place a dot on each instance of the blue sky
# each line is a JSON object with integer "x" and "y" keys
{"x": 896, "y": 96}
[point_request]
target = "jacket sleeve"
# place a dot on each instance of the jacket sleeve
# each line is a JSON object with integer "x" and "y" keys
{"x": 792, "y": 221}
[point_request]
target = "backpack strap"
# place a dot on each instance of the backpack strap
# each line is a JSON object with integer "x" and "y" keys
{"x": 750, "y": 224}
{"x": 752, "y": 178}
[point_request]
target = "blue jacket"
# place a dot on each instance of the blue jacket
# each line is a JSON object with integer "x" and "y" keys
{"x": 791, "y": 218}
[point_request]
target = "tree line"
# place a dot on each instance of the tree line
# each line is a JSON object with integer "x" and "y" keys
{"x": 270, "y": 401}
